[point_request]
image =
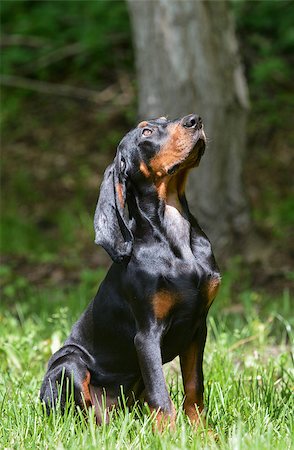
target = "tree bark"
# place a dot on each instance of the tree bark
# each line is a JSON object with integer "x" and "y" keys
{"x": 188, "y": 61}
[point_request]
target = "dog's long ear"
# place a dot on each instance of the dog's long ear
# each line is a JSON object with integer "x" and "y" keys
{"x": 110, "y": 222}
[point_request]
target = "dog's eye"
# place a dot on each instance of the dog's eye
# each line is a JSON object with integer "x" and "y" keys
{"x": 147, "y": 132}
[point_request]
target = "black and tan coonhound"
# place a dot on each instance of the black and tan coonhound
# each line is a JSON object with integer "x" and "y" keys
{"x": 153, "y": 303}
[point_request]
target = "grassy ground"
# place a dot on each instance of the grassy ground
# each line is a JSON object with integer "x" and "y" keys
{"x": 248, "y": 376}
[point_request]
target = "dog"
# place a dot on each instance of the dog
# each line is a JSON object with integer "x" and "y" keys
{"x": 153, "y": 303}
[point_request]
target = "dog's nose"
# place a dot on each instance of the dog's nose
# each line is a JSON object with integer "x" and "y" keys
{"x": 192, "y": 121}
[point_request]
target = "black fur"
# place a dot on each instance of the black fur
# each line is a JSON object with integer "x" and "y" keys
{"x": 124, "y": 336}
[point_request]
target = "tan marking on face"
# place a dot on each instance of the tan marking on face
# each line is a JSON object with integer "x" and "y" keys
{"x": 163, "y": 302}
{"x": 142, "y": 124}
{"x": 119, "y": 190}
{"x": 211, "y": 289}
{"x": 86, "y": 390}
{"x": 144, "y": 169}
{"x": 174, "y": 151}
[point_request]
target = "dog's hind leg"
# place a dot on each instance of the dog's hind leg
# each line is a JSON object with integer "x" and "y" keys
{"x": 67, "y": 378}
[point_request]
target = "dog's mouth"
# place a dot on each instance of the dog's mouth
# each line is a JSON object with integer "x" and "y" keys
{"x": 192, "y": 157}
{"x": 197, "y": 150}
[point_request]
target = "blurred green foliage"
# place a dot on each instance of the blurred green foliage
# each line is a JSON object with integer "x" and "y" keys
{"x": 266, "y": 35}
{"x": 95, "y": 37}
{"x": 100, "y": 28}
{"x": 80, "y": 43}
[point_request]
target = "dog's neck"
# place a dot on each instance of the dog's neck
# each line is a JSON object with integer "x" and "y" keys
{"x": 171, "y": 190}
{"x": 165, "y": 210}
{"x": 176, "y": 214}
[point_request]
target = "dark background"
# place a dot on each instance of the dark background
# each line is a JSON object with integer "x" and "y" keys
{"x": 69, "y": 92}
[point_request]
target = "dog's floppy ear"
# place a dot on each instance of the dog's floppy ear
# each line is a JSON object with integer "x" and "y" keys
{"x": 110, "y": 222}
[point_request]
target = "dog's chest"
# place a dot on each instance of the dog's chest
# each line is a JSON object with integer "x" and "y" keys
{"x": 178, "y": 229}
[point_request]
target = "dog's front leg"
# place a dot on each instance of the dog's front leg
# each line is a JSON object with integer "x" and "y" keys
{"x": 147, "y": 343}
{"x": 191, "y": 364}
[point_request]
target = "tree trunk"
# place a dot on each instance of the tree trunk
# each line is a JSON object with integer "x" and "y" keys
{"x": 188, "y": 61}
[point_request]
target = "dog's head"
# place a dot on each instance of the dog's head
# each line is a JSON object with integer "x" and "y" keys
{"x": 148, "y": 157}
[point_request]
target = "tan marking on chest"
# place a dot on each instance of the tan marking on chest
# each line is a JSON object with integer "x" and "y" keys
{"x": 162, "y": 303}
{"x": 144, "y": 170}
{"x": 167, "y": 190}
{"x": 161, "y": 187}
{"x": 211, "y": 289}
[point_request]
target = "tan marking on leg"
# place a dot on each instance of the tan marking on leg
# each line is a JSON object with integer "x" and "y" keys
{"x": 211, "y": 289}
{"x": 195, "y": 414}
{"x": 193, "y": 404}
{"x": 163, "y": 302}
{"x": 86, "y": 390}
{"x": 164, "y": 420}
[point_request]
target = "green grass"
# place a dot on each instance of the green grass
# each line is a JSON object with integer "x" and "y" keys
{"x": 248, "y": 377}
